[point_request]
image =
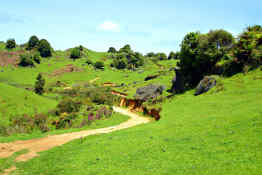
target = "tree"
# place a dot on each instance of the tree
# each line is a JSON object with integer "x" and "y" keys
{"x": 39, "y": 85}
{"x": 75, "y": 53}
{"x": 200, "y": 53}
{"x": 99, "y": 65}
{"x": 112, "y": 50}
{"x": 171, "y": 55}
{"x": 44, "y": 48}
{"x": 33, "y": 42}
{"x": 220, "y": 38}
{"x": 10, "y": 44}
{"x": 126, "y": 49}
{"x": 150, "y": 54}
{"x": 248, "y": 49}
{"x": 161, "y": 56}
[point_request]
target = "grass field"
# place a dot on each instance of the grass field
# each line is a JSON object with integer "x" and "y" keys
{"x": 215, "y": 133}
{"x": 219, "y": 132}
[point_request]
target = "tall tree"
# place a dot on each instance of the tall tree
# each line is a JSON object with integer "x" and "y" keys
{"x": 39, "y": 84}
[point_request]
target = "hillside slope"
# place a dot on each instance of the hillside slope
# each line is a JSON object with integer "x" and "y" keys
{"x": 216, "y": 133}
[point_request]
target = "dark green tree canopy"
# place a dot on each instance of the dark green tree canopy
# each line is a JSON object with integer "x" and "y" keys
{"x": 10, "y": 44}
{"x": 200, "y": 53}
{"x": 33, "y": 42}
{"x": 39, "y": 84}
{"x": 220, "y": 38}
{"x": 112, "y": 50}
{"x": 75, "y": 53}
{"x": 45, "y": 48}
{"x": 248, "y": 49}
{"x": 126, "y": 49}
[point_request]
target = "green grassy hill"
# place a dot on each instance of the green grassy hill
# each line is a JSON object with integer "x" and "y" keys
{"x": 215, "y": 133}
{"x": 17, "y": 101}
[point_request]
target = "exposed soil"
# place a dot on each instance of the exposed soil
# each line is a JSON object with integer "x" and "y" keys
{"x": 37, "y": 145}
{"x": 9, "y": 58}
{"x": 66, "y": 69}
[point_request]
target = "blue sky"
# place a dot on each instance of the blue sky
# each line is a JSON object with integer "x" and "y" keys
{"x": 147, "y": 25}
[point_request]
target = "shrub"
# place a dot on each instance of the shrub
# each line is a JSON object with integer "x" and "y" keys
{"x": 26, "y": 60}
{"x": 69, "y": 105}
{"x": 40, "y": 120}
{"x": 36, "y": 58}
{"x": 99, "y": 65}
{"x": 39, "y": 85}
{"x": 75, "y": 53}
{"x": 23, "y": 124}
{"x": 161, "y": 56}
{"x": 89, "y": 61}
{"x": 44, "y": 48}
{"x": 33, "y": 42}
{"x": 10, "y": 44}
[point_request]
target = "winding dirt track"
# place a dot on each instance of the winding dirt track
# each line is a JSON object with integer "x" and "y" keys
{"x": 37, "y": 145}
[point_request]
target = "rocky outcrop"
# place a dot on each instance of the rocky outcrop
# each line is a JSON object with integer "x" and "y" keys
{"x": 205, "y": 85}
{"x": 149, "y": 92}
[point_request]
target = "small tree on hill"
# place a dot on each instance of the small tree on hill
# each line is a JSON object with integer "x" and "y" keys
{"x": 39, "y": 85}
{"x": 33, "y": 42}
{"x": 44, "y": 48}
{"x": 75, "y": 53}
{"x": 112, "y": 50}
{"x": 10, "y": 44}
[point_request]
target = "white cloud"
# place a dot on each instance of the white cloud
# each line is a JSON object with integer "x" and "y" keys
{"x": 109, "y": 26}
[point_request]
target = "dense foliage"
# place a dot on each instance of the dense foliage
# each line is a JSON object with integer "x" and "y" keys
{"x": 127, "y": 58}
{"x": 39, "y": 84}
{"x": 200, "y": 53}
{"x": 10, "y": 44}
{"x": 112, "y": 50}
{"x": 33, "y": 42}
{"x": 75, "y": 53}
{"x": 248, "y": 49}
{"x": 45, "y": 48}
{"x": 26, "y": 60}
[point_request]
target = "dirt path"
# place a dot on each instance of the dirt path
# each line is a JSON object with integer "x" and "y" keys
{"x": 37, "y": 145}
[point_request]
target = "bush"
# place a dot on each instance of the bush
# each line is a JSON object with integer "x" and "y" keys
{"x": 10, "y": 44}
{"x": 26, "y": 60}
{"x": 89, "y": 61}
{"x": 36, "y": 58}
{"x": 68, "y": 105}
{"x": 44, "y": 48}
{"x": 39, "y": 85}
{"x": 161, "y": 56}
{"x": 75, "y": 53}
{"x": 99, "y": 65}
{"x": 33, "y": 42}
